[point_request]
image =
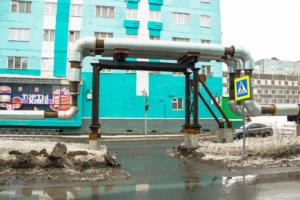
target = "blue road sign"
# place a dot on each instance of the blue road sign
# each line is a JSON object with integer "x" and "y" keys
{"x": 242, "y": 88}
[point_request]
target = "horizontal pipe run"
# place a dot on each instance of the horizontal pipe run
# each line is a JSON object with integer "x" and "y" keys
{"x": 22, "y": 114}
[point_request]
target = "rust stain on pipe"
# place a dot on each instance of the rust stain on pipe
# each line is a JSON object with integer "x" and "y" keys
{"x": 51, "y": 114}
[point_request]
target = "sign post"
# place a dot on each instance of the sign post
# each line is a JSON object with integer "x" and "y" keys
{"x": 242, "y": 92}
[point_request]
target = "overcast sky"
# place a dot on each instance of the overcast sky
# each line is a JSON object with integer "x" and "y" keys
{"x": 267, "y": 28}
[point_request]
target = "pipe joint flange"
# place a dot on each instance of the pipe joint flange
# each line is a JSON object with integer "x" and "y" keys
{"x": 74, "y": 74}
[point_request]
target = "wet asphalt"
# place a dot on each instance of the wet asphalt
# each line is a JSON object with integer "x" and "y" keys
{"x": 154, "y": 175}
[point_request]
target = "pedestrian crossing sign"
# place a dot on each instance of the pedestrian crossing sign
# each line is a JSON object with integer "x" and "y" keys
{"x": 242, "y": 88}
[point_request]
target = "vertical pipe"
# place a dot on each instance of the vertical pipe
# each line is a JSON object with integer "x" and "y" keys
{"x": 195, "y": 97}
{"x": 95, "y": 105}
{"x": 187, "y": 99}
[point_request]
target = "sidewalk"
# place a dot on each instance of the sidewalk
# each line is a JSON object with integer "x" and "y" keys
{"x": 104, "y": 137}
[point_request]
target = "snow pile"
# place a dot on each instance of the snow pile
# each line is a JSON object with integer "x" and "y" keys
{"x": 260, "y": 152}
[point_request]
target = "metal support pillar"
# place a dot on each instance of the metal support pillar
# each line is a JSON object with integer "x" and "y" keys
{"x": 95, "y": 125}
{"x": 195, "y": 97}
{"x": 187, "y": 100}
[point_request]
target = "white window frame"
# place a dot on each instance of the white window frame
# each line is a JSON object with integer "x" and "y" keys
{"x": 19, "y": 34}
{"x": 282, "y": 83}
{"x": 269, "y": 82}
{"x": 23, "y": 60}
{"x": 131, "y": 13}
{"x": 225, "y": 90}
{"x": 180, "y": 39}
{"x": 132, "y": 36}
{"x": 295, "y": 83}
{"x": 181, "y": 18}
{"x": 47, "y": 66}
{"x": 109, "y": 14}
{"x": 290, "y": 83}
{"x": 176, "y": 101}
{"x": 205, "y": 20}
{"x": 103, "y": 35}
{"x": 73, "y": 36}
{"x": 49, "y": 35}
{"x": 17, "y": 4}
{"x": 50, "y": 8}
{"x": 207, "y": 70}
{"x": 75, "y": 10}
{"x": 225, "y": 80}
{"x": 206, "y": 41}
{"x": 151, "y": 37}
{"x": 263, "y": 82}
{"x": 155, "y": 15}
{"x": 276, "y": 82}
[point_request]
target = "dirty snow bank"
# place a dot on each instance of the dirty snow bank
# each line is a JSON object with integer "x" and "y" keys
{"x": 276, "y": 151}
{"x": 56, "y": 160}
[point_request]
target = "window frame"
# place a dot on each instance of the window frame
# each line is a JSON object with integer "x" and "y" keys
{"x": 203, "y": 21}
{"x": 52, "y": 8}
{"x": 177, "y": 103}
{"x": 78, "y": 12}
{"x": 23, "y": 39}
{"x": 131, "y": 14}
{"x": 49, "y": 34}
{"x": 180, "y": 39}
{"x": 107, "y": 35}
{"x": 108, "y": 12}
{"x": 155, "y": 15}
{"x": 151, "y": 37}
{"x": 17, "y": 3}
{"x": 74, "y": 36}
{"x": 179, "y": 18}
{"x": 22, "y": 59}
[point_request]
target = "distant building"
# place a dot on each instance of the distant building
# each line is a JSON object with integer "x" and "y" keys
{"x": 276, "y": 82}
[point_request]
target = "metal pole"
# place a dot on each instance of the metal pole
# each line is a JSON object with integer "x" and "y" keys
{"x": 187, "y": 99}
{"x": 145, "y": 93}
{"x": 195, "y": 97}
{"x": 94, "y": 134}
{"x": 244, "y": 134}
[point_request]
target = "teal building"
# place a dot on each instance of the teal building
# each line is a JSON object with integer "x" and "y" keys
{"x": 36, "y": 39}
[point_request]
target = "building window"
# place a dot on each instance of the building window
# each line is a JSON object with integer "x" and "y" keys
{"x": 47, "y": 66}
{"x": 225, "y": 90}
{"x": 154, "y": 37}
{"x": 75, "y": 10}
{"x": 132, "y": 36}
{"x": 269, "y": 82}
{"x": 106, "y": 71}
{"x": 276, "y": 82}
{"x": 17, "y": 62}
{"x": 206, "y": 70}
{"x": 177, "y": 103}
{"x": 206, "y": 41}
{"x": 74, "y": 35}
{"x": 102, "y": 35}
{"x": 225, "y": 80}
{"x": 282, "y": 83}
{"x": 178, "y": 73}
{"x": 50, "y": 8}
{"x": 105, "y": 11}
{"x": 49, "y": 35}
{"x": 131, "y": 14}
{"x": 206, "y": 1}
{"x": 296, "y": 92}
{"x": 178, "y": 39}
{"x": 129, "y": 71}
{"x": 18, "y": 34}
{"x": 154, "y": 15}
{"x": 290, "y": 83}
{"x": 205, "y": 21}
{"x": 254, "y": 91}
{"x": 295, "y": 83}
{"x": 263, "y": 82}
{"x": 21, "y": 6}
{"x": 181, "y": 18}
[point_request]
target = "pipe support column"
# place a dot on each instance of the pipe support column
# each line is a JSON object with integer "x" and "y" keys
{"x": 95, "y": 125}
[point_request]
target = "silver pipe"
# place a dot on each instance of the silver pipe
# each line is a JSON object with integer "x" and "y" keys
{"x": 69, "y": 114}
{"x": 22, "y": 114}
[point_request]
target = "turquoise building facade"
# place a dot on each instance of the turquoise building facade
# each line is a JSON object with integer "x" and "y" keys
{"x": 36, "y": 39}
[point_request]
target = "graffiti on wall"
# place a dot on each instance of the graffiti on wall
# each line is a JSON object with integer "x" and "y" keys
{"x": 30, "y": 97}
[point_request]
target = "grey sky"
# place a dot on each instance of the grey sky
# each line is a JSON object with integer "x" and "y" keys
{"x": 267, "y": 28}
